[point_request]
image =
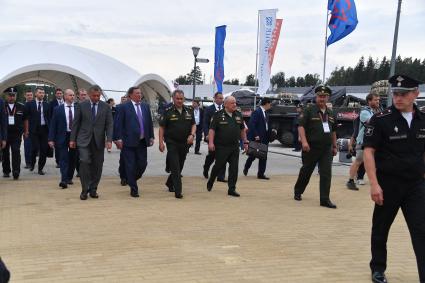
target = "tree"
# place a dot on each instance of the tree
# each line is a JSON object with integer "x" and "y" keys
{"x": 198, "y": 76}
{"x": 250, "y": 80}
{"x": 291, "y": 82}
{"x": 231, "y": 82}
{"x": 312, "y": 79}
{"x": 278, "y": 79}
{"x": 182, "y": 80}
{"x": 300, "y": 82}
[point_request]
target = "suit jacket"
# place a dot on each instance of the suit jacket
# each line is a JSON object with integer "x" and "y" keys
{"x": 3, "y": 121}
{"x": 257, "y": 126}
{"x": 201, "y": 118}
{"x": 52, "y": 105}
{"x": 127, "y": 126}
{"x": 58, "y": 126}
{"x": 84, "y": 129}
{"x": 31, "y": 113}
{"x": 208, "y": 113}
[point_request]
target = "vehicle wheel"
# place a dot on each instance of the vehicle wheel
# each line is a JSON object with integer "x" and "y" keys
{"x": 286, "y": 139}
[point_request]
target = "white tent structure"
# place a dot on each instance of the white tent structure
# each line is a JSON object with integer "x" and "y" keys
{"x": 67, "y": 66}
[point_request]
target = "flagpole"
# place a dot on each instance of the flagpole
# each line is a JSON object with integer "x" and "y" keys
{"x": 394, "y": 54}
{"x": 256, "y": 59}
{"x": 326, "y": 46}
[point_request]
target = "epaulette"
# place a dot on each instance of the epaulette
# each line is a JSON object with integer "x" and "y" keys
{"x": 188, "y": 107}
{"x": 383, "y": 113}
{"x": 169, "y": 107}
{"x": 20, "y": 103}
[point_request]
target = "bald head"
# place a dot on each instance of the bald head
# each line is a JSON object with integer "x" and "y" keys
{"x": 69, "y": 96}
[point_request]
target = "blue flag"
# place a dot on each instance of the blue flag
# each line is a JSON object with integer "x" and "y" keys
{"x": 343, "y": 20}
{"x": 220, "y": 36}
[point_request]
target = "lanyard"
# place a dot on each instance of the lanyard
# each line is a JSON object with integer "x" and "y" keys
{"x": 323, "y": 116}
{"x": 11, "y": 112}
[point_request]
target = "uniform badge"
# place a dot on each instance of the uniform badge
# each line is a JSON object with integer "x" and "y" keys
{"x": 399, "y": 80}
{"x": 368, "y": 131}
{"x": 396, "y": 129}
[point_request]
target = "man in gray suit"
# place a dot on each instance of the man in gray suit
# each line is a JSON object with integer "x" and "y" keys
{"x": 93, "y": 121}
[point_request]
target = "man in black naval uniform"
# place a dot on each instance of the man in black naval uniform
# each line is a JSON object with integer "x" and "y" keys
{"x": 226, "y": 130}
{"x": 15, "y": 128}
{"x": 318, "y": 139}
{"x": 177, "y": 128}
{"x": 394, "y": 150}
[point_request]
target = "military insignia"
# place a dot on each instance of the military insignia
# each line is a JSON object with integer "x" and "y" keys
{"x": 399, "y": 79}
{"x": 368, "y": 131}
{"x": 238, "y": 118}
{"x": 174, "y": 115}
{"x": 396, "y": 129}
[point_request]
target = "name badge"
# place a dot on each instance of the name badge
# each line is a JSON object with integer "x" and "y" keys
{"x": 326, "y": 128}
{"x": 11, "y": 120}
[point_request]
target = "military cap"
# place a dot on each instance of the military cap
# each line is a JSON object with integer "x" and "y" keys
{"x": 323, "y": 90}
{"x": 11, "y": 91}
{"x": 403, "y": 83}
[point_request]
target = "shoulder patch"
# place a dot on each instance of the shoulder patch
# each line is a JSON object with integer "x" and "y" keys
{"x": 368, "y": 131}
{"x": 384, "y": 113}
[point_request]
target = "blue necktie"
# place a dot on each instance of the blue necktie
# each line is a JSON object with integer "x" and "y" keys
{"x": 93, "y": 112}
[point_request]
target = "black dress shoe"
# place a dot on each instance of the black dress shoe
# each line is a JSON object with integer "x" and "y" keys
{"x": 221, "y": 180}
{"x": 31, "y": 168}
{"x": 83, "y": 196}
{"x": 70, "y": 183}
{"x": 209, "y": 186}
{"x": 57, "y": 165}
{"x": 245, "y": 171}
{"x": 263, "y": 177}
{"x": 15, "y": 177}
{"x": 298, "y": 197}
{"x": 27, "y": 166}
{"x": 6, "y": 175}
{"x": 124, "y": 182}
{"x": 233, "y": 194}
{"x": 78, "y": 175}
{"x": 170, "y": 188}
{"x": 94, "y": 194}
{"x": 205, "y": 173}
{"x": 134, "y": 194}
{"x": 63, "y": 185}
{"x": 179, "y": 196}
{"x": 198, "y": 153}
{"x": 41, "y": 172}
{"x": 327, "y": 203}
{"x": 378, "y": 277}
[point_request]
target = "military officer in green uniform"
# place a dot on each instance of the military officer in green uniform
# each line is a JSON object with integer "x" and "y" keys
{"x": 226, "y": 130}
{"x": 318, "y": 138}
{"x": 177, "y": 129}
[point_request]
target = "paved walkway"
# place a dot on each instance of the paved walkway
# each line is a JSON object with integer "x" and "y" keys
{"x": 49, "y": 235}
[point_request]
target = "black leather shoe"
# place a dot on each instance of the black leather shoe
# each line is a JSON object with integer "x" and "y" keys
{"x": 78, "y": 175}
{"x": 41, "y": 172}
{"x": 198, "y": 153}
{"x": 179, "y": 196}
{"x": 57, "y": 165}
{"x": 6, "y": 175}
{"x": 327, "y": 203}
{"x": 170, "y": 188}
{"x": 298, "y": 197}
{"x": 264, "y": 177}
{"x": 63, "y": 185}
{"x": 94, "y": 194}
{"x": 134, "y": 194}
{"x": 124, "y": 182}
{"x": 233, "y": 194}
{"x": 31, "y": 168}
{"x": 15, "y": 177}
{"x": 205, "y": 173}
{"x": 70, "y": 183}
{"x": 379, "y": 277}
{"x": 83, "y": 196}
{"x": 245, "y": 171}
{"x": 221, "y": 180}
{"x": 27, "y": 166}
{"x": 209, "y": 186}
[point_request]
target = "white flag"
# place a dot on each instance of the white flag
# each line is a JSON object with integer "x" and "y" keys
{"x": 267, "y": 25}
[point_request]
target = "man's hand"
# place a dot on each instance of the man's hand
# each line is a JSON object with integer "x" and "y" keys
{"x": 245, "y": 146}
{"x": 26, "y": 135}
{"x": 108, "y": 146}
{"x": 151, "y": 142}
{"x": 211, "y": 147}
{"x": 306, "y": 147}
{"x": 118, "y": 144}
{"x": 190, "y": 139}
{"x": 161, "y": 146}
{"x": 334, "y": 150}
{"x": 3, "y": 144}
{"x": 257, "y": 138}
{"x": 72, "y": 144}
{"x": 51, "y": 144}
{"x": 206, "y": 138}
{"x": 376, "y": 194}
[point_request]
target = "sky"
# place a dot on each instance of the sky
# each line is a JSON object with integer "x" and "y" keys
{"x": 157, "y": 36}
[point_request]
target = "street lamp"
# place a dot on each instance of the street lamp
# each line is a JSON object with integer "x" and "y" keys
{"x": 195, "y": 51}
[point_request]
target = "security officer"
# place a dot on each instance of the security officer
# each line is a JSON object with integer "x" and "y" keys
{"x": 177, "y": 128}
{"x": 15, "y": 128}
{"x": 394, "y": 142}
{"x": 318, "y": 139}
{"x": 226, "y": 130}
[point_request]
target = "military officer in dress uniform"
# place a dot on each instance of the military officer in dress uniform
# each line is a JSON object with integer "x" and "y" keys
{"x": 15, "y": 128}
{"x": 177, "y": 128}
{"x": 394, "y": 150}
{"x": 318, "y": 138}
{"x": 226, "y": 130}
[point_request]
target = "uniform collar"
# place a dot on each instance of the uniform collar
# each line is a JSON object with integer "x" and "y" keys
{"x": 416, "y": 112}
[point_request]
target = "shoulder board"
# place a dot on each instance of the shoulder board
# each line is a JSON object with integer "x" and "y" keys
{"x": 19, "y": 103}
{"x": 187, "y": 107}
{"x": 169, "y": 108}
{"x": 383, "y": 113}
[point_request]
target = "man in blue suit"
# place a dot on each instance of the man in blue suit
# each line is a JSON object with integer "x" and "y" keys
{"x": 59, "y": 134}
{"x": 121, "y": 167}
{"x": 133, "y": 132}
{"x": 259, "y": 130}
{"x": 208, "y": 113}
{"x": 57, "y": 101}
{"x": 38, "y": 118}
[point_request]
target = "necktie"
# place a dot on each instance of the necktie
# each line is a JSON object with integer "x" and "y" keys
{"x": 140, "y": 118}
{"x": 39, "y": 107}
{"x": 219, "y": 107}
{"x": 70, "y": 117}
{"x": 93, "y": 112}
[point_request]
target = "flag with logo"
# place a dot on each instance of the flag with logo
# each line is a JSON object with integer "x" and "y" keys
{"x": 220, "y": 36}
{"x": 343, "y": 19}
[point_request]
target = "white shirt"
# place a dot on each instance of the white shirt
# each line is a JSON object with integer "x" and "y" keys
{"x": 42, "y": 121}
{"x": 60, "y": 101}
{"x": 68, "y": 129}
{"x": 265, "y": 120}
{"x": 217, "y": 107}
{"x": 408, "y": 116}
{"x": 11, "y": 108}
{"x": 197, "y": 115}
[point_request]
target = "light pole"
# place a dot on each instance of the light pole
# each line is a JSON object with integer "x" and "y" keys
{"x": 394, "y": 53}
{"x": 195, "y": 51}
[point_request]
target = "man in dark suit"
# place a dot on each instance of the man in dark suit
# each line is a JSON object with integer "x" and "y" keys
{"x": 38, "y": 118}
{"x": 29, "y": 96}
{"x": 93, "y": 121}
{"x": 15, "y": 113}
{"x": 198, "y": 113}
{"x": 259, "y": 130}
{"x": 59, "y": 135}
{"x": 57, "y": 101}
{"x": 134, "y": 134}
{"x": 208, "y": 114}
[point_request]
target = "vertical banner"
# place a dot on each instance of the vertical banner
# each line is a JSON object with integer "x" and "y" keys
{"x": 275, "y": 40}
{"x": 220, "y": 36}
{"x": 267, "y": 23}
